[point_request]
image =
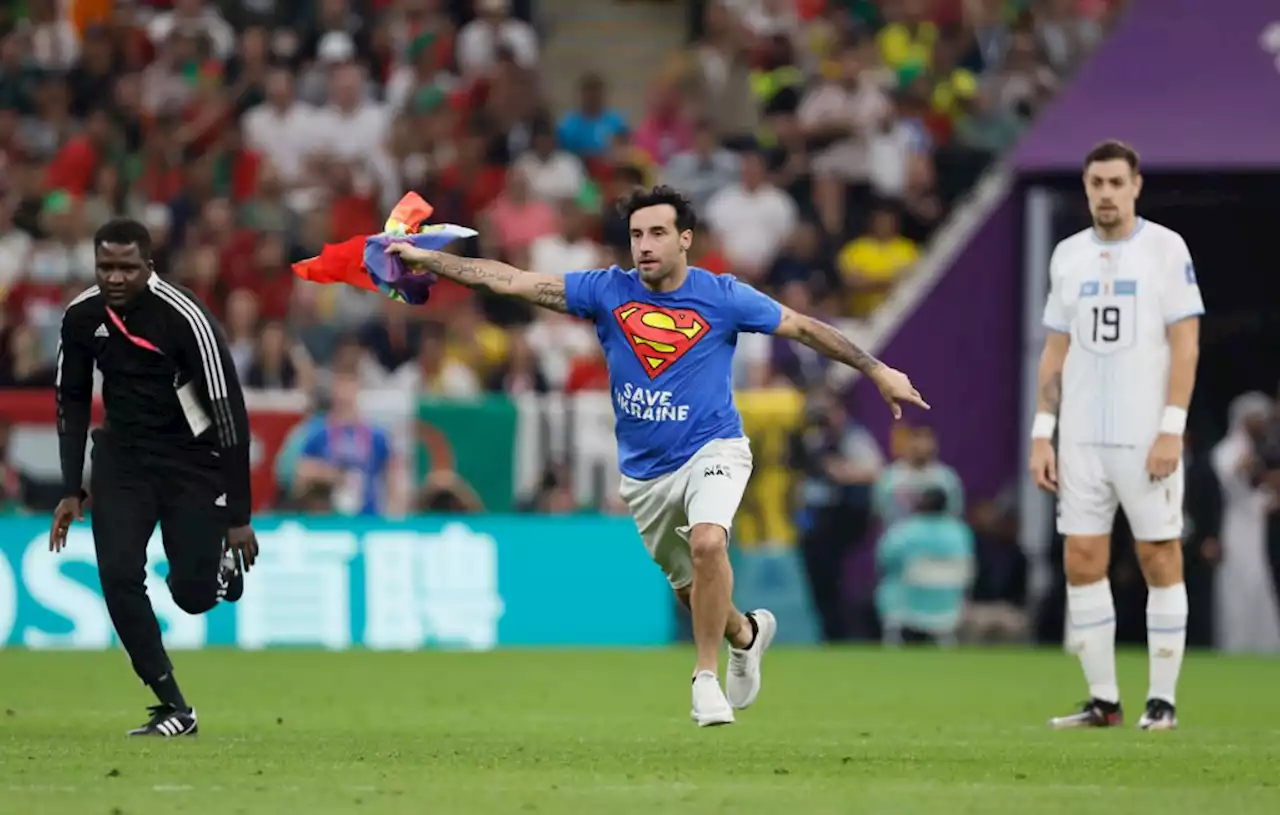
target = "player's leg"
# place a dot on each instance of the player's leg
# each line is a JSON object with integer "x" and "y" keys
{"x": 193, "y": 526}
{"x": 718, "y": 477}
{"x": 1155, "y": 515}
{"x": 710, "y": 599}
{"x": 711, "y": 594}
{"x": 125, "y": 510}
{"x": 1086, "y": 511}
{"x": 657, "y": 505}
{"x": 738, "y": 630}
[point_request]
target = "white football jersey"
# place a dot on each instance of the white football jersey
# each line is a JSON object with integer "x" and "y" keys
{"x": 1116, "y": 300}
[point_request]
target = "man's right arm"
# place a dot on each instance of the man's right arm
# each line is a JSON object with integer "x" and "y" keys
{"x": 493, "y": 276}
{"x": 1054, "y": 355}
{"x": 74, "y": 391}
{"x": 1049, "y": 378}
{"x": 1043, "y": 464}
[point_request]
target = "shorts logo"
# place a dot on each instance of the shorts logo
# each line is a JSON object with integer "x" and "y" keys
{"x": 660, "y": 336}
{"x": 716, "y": 469}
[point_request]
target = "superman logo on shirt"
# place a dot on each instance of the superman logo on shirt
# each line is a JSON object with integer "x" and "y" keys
{"x": 660, "y": 336}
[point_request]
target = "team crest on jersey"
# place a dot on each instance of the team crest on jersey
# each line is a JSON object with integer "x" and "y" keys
{"x": 660, "y": 336}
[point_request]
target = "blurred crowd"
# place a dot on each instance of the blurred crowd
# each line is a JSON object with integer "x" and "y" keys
{"x": 941, "y": 568}
{"x": 823, "y": 142}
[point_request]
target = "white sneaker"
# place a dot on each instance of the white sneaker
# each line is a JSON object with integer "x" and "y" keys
{"x": 742, "y": 685}
{"x": 710, "y": 708}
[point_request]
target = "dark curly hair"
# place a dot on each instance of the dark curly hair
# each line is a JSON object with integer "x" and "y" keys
{"x": 642, "y": 198}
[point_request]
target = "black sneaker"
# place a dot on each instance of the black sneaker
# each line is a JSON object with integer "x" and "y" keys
{"x": 167, "y": 722}
{"x": 230, "y": 578}
{"x": 1159, "y": 715}
{"x": 1093, "y": 713}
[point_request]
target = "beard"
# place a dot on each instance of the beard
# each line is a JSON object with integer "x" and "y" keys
{"x": 1106, "y": 217}
{"x": 656, "y": 273}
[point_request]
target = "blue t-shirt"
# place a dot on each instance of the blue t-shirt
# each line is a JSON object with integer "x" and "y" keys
{"x": 361, "y": 452}
{"x": 670, "y": 357}
{"x": 589, "y": 136}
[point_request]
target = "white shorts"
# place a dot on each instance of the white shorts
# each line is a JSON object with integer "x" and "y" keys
{"x": 1093, "y": 480}
{"x": 705, "y": 490}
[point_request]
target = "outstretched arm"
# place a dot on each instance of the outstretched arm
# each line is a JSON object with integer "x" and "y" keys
{"x": 825, "y": 339}
{"x": 488, "y": 275}
{"x": 894, "y": 385}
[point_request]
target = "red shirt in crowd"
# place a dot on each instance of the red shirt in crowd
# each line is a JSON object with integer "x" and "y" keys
{"x": 272, "y": 287}
{"x": 74, "y": 167}
{"x": 351, "y": 215}
{"x": 245, "y": 166}
{"x": 478, "y": 189}
{"x": 587, "y": 374}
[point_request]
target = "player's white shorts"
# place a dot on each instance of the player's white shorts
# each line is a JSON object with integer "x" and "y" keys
{"x": 1093, "y": 480}
{"x": 706, "y": 490}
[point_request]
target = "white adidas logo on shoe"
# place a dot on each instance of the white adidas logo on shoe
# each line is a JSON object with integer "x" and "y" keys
{"x": 168, "y": 722}
{"x": 177, "y": 724}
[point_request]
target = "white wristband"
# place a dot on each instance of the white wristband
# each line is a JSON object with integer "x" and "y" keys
{"x": 1173, "y": 421}
{"x": 1043, "y": 425}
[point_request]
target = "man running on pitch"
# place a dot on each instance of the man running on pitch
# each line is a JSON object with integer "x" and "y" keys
{"x": 668, "y": 332}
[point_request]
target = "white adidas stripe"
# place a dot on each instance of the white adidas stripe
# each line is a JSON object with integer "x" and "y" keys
{"x": 211, "y": 359}
{"x": 175, "y": 726}
{"x": 203, "y": 331}
{"x": 92, "y": 291}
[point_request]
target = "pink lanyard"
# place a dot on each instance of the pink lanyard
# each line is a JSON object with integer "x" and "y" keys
{"x": 138, "y": 341}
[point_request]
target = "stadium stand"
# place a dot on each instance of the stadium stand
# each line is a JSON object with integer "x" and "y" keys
{"x": 824, "y": 143}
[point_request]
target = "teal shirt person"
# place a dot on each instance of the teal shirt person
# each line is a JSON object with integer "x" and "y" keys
{"x": 899, "y": 489}
{"x": 926, "y": 565}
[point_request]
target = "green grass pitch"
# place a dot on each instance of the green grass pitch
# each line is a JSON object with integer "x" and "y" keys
{"x": 834, "y": 731}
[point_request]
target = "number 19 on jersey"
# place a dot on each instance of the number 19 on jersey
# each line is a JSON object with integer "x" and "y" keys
{"x": 1107, "y": 321}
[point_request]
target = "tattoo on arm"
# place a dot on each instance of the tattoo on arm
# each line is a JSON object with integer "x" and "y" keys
{"x": 483, "y": 275}
{"x": 499, "y": 278}
{"x": 831, "y": 343}
{"x": 1051, "y": 394}
{"x": 550, "y": 294}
